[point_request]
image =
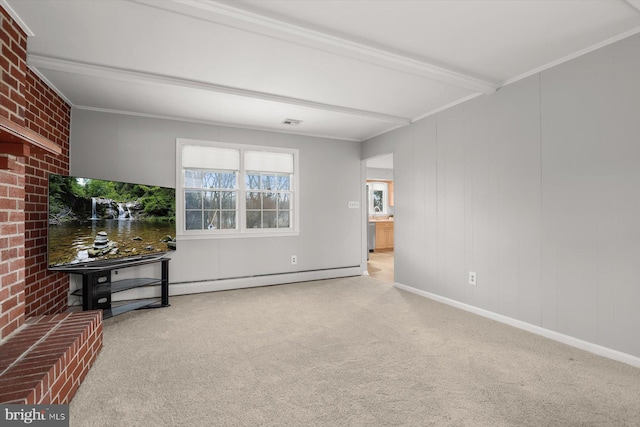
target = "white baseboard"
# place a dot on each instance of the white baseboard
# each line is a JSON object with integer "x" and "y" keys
{"x": 556, "y": 336}
{"x": 239, "y": 283}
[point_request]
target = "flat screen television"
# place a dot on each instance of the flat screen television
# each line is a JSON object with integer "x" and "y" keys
{"x": 98, "y": 223}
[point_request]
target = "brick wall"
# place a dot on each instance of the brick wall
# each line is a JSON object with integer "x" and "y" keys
{"x": 26, "y": 287}
{"x": 12, "y": 295}
{"x": 13, "y": 63}
{"x": 47, "y": 114}
{"x": 13, "y": 45}
{"x": 46, "y": 361}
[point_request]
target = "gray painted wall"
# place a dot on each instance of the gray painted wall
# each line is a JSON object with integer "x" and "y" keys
{"x": 537, "y": 189}
{"x": 380, "y": 174}
{"x": 136, "y": 149}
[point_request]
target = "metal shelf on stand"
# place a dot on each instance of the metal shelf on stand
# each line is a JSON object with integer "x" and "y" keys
{"x": 97, "y": 287}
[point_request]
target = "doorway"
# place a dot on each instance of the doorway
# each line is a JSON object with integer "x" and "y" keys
{"x": 380, "y": 266}
{"x": 380, "y": 217}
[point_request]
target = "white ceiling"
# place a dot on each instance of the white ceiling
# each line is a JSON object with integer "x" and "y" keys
{"x": 348, "y": 69}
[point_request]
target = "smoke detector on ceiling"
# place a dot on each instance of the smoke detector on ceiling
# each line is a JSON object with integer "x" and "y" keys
{"x": 291, "y": 122}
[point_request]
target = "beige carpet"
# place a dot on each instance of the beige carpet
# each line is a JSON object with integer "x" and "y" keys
{"x": 348, "y": 352}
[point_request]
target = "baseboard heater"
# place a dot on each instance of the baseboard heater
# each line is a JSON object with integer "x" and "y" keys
{"x": 223, "y": 284}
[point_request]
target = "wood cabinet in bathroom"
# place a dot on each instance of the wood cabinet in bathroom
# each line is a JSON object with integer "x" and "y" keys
{"x": 384, "y": 235}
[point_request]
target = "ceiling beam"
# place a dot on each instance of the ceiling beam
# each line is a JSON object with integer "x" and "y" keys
{"x": 224, "y": 14}
{"x": 113, "y": 73}
{"x": 217, "y": 123}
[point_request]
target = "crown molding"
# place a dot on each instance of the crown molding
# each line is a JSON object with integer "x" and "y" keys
{"x": 99, "y": 71}
{"x": 224, "y": 14}
{"x": 17, "y": 18}
{"x": 446, "y": 107}
{"x": 50, "y": 84}
{"x": 634, "y": 3}
{"x": 374, "y": 135}
{"x": 574, "y": 55}
{"x": 428, "y": 114}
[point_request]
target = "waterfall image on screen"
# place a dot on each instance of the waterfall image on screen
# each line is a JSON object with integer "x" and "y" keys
{"x": 101, "y": 221}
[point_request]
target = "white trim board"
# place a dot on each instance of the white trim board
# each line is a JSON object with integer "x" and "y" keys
{"x": 556, "y": 336}
{"x": 12, "y": 13}
{"x": 232, "y": 16}
{"x": 573, "y": 55}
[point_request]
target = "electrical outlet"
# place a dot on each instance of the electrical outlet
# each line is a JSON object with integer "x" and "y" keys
{"x": 472, "y": 278}
{"x": 294, "y": 259}
{"x": 354, "y": 205}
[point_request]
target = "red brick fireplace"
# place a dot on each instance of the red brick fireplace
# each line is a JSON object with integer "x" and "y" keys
{"x": 35, "y": 125}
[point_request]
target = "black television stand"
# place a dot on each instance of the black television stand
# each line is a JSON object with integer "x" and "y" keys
{"x": 97, "y": 287}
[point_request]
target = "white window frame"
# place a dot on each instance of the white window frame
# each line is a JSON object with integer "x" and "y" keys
{"x": 379, "y": 186}
{"x": 241, "y": 230}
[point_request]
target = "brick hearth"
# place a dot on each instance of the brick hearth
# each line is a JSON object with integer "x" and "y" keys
{"x": 46, "y": 360}
{"x": 44, "y": 351}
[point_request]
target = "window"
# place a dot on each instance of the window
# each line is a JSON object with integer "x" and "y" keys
{"x": 210, "y": 199}
{"x": 378, "y": 197}
{"x": 228, "y": 190}
{"x": 268, "y": 200}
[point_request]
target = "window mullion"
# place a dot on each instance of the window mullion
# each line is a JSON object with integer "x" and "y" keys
{"x": 242, "y": 199}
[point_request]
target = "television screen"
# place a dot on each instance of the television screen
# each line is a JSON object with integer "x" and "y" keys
{"x": 96, "y": 222}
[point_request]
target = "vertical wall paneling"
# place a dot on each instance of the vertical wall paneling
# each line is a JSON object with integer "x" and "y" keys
{"x": 536, "y": 189}
{"x": 406, "y": 262}
{"x": 618, "y": 304}
{"x": 478, "y": 204}
{"x": 591, "y": 203}
{"x": 451, "y": 208}
{"x": 516, "y": 132}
